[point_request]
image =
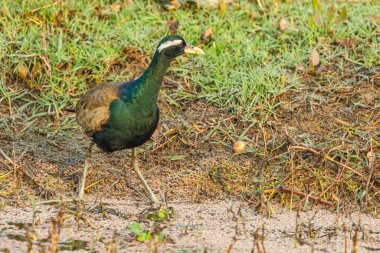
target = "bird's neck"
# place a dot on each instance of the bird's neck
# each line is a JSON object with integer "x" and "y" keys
{"x": 150, "y": 81}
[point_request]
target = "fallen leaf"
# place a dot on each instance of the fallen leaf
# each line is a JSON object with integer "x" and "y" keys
{"x": 335, "y": 198}
{"x": 115, "y": 7}
{"x": 330, "y": 31}
{"x": 276, "y": 6}
{"x": 317, "y": 9}
{"x": 36, "y": 69}
{"x": 199, "y": 130}
{"x": 172, "y": 5}
{"x": 239, "y": 146}
{"x": 170, "y": 131}
{"x": 344, "y": 43}
{"x": 330, "y": 13}
{"x": 222, "y": 6}
{"x": 371, "y": 157}
{"x": 342, "y": 122}
{"x": 283, "y": 24}
{"x": 173, "y": 26}
{"x": 23, "y": 72}
{"x": 314, "y": 58}
{"x": 376, "y": 17}
{"x": 323, "y": 40}
{"x": 5, "y": 11}
{"x": 343, "y": 15}
{"x": 206, "y": 36}
{"x": 300, "y": 68}
{"x": 188, "y": 85}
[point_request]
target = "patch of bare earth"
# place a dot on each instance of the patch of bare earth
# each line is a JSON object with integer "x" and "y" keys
{"x": 320, "y": 147}
{"x": 199, "y": 227}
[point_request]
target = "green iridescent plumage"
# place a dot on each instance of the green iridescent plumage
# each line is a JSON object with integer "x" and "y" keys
{"x": 134, "y": 116}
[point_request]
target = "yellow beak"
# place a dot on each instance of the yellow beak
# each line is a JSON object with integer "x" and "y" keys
{"x": 193, "y": 50}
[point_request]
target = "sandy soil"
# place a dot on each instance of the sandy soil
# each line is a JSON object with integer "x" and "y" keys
{"x": 195, "y": 227}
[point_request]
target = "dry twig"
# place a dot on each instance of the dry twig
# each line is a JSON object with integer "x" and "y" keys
{"x": 298, "y": 192}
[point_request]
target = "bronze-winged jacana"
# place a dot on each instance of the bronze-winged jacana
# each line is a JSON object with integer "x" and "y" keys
{"x": 124, "y": 115}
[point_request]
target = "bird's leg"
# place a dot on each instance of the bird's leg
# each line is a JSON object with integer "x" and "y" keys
{"x": 82, "y": 183}
{"x": 135, "y": 167}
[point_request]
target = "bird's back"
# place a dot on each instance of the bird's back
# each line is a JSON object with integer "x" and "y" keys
{"x": 114, "y": 118}
{"x": 92, "y": 110}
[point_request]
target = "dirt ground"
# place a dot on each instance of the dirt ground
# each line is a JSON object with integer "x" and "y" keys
{"x": 205, "y": 227}
{"x": 318, "y": 152}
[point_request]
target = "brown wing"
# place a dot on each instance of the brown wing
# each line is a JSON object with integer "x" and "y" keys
{"x": 92, "y": 110}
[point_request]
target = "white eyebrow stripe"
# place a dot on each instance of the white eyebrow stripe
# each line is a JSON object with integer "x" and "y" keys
{"x": 168, "y": 44}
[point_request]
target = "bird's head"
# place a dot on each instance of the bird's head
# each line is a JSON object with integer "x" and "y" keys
{"x": 174, "y": 46}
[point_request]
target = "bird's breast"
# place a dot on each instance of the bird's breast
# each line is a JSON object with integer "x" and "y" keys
{"x": 127, "y": 128}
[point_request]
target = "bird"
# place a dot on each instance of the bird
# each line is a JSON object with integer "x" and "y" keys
{"x": 124, "y": 115}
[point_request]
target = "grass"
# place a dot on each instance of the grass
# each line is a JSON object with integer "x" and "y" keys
{"x": 248, "y": 63}
{"x": 52, "y": 52}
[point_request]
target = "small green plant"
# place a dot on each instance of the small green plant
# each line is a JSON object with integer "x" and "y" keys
{"x": 326, "y": 18}
{"x": 145, "y": 235}
{"x": 141, "y": 235}
{"x": 162, "y": 215}
{"x": 157, "y": 217}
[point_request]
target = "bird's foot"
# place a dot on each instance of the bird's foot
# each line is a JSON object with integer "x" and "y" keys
{"x": 153, "y": 199}
{"x": 79, "y": 197}
{"x": 150, "y": 198}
